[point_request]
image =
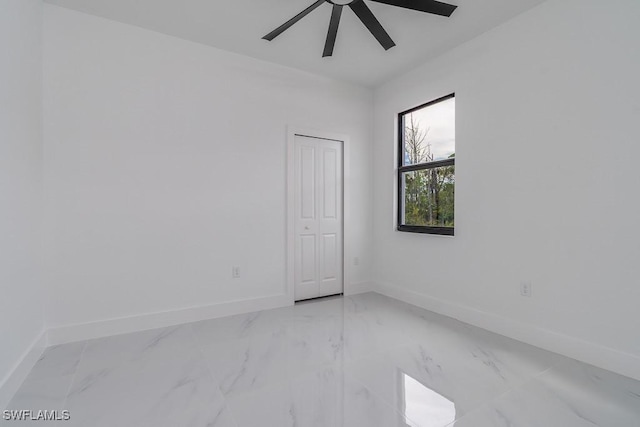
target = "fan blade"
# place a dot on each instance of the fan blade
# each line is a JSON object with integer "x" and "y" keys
{"x": 336, "y": 13}
{"x": 282, "y": 28}
{"x": 429, "y": 6}
{"x": 369, "y": 20}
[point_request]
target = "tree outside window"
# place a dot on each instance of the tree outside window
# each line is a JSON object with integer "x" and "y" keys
{"x": 426, "y": 169}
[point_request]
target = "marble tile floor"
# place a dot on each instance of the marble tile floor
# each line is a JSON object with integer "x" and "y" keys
{"x": 360, "y": 361}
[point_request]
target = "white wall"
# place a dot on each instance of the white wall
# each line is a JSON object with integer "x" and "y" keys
{"x": 548, "y": 107}
{"x": 165, "y": 167}
{"x": 21, "y": 320}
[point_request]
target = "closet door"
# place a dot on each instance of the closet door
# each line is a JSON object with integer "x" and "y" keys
{"x": 318, "y": 218}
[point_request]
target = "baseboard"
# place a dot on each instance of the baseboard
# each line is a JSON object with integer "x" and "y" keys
{"x": 358, "y": 288}
{"x": 14, "y": 380}
{"x": 104, "y": 328}
{"x": 588, "y": 352}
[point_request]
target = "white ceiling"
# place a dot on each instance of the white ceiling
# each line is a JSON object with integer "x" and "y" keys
{"x": 238, "y": 26}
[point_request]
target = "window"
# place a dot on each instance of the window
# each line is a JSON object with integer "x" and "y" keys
{"x": 426, "y": 167}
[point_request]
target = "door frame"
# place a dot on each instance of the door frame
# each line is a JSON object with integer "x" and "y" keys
{"x": 292, "y": 132}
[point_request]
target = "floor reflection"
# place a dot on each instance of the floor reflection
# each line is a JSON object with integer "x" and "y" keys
{"x": 425, "y": 407}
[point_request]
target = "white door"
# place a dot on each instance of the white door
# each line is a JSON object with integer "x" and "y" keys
{"x": 318, "y": 218}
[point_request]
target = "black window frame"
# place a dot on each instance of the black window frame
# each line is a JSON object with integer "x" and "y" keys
{"x": 424, "y": 229}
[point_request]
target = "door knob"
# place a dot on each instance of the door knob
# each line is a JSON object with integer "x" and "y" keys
{"x": 306, "y": 228}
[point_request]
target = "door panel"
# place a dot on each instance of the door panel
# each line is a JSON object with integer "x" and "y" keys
{"x": 308, "y": 182}
{"x": 318, "y": 269}
{"x": 308, "y": 258}
{"x": 330, "y": 203}
{"x": 329, "y": 246}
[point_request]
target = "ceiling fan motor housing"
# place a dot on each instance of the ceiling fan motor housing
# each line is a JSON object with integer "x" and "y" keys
{"x": 341, "y": 2}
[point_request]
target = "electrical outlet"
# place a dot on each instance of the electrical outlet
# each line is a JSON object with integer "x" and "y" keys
{"x": 235, "y": 272}
{"x": 525, "y": 289}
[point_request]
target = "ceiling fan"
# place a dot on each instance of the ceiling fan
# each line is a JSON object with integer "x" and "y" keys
{"x": 363, "y": 12}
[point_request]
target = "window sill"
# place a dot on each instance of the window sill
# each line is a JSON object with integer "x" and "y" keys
{"x": 441, "y": 231}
